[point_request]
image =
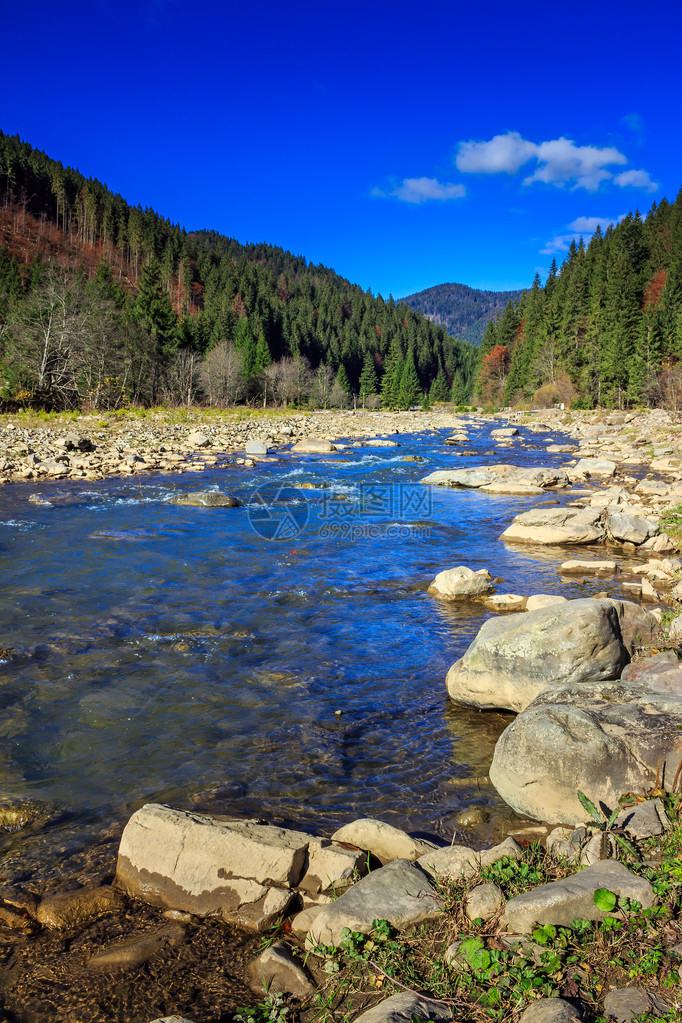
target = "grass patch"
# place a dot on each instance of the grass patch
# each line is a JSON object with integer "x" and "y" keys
{"x": 482, "y": 975}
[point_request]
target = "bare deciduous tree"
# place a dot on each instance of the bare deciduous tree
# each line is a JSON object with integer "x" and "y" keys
{"x": 222, "y": 375}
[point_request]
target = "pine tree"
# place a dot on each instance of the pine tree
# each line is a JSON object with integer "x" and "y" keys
{"x": 369, "y": 383}
{"x": 409, "y": 389}
{"x": 390, "y": 382}
{"x": 439, "y": 390}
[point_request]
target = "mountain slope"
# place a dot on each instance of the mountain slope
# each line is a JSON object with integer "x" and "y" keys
{"x": 189, "y": 295}
{"x": 464, "y": 312}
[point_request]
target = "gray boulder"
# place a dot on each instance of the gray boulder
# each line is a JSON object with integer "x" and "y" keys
{"x": 556, "y": 526}
{"x": 256, "y": 447}
{"x": 405, "y": 1008}
{"x": 512, "y": 660}
{"x": 629, "y": 528}
{"x": 399, "y": 892}
{"x": 602, "y": 738}
{"x": 572, "y": 898}
{"x": 550, "y": 1010}
{"x": 623, "y": 1004}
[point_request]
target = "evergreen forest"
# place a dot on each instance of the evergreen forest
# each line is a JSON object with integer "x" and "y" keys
{"x": 604, "y": 330}
{"x": 104, "y": 304}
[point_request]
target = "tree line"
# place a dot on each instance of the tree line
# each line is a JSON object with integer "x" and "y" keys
{"x": 103, "y": 303}
{"x": 606, "y": 327}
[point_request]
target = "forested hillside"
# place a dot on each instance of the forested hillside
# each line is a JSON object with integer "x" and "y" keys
{"x": 464, "y": 312}
{"x": 104, "y": 303}
{"x": 606, "y": 328}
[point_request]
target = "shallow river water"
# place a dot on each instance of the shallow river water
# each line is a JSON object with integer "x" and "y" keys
{"x": 200, "y": 656}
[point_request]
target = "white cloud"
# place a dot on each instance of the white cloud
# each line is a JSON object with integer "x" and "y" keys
{"x": 418, "y": 190}
{"x": 580, "y": 226}
{"x": 636, "y": 179}
{"x": 503, "y": 154}
{"x": 558, "y": 162}
{"x": 588, "y": 225}
{"x": 561, "y": 162}
{"x": 559, "y": 243}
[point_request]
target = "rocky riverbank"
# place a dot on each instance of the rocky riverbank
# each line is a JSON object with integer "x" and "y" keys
{"x": 173, "y": 928}
{"x": 370, "y": 924}
{"x": 95, "y": 447}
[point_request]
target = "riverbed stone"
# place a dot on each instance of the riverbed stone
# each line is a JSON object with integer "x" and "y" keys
{"x": 461, "y": 583}
{"x": 330, "y": 864}
{"x": 313, "y": 446}
{"x": 206, "y": 499}
{"x": 399, "y": 892}
{"x": 556, "y": 526}
{"x": 505, "y": 602}
{"x": 572, "y": 898}
{"x": 256, "y": 447}
{"x": 197, "y": 439}
{"x": 204, "y": 864}
{"x": 140, "y": 948}
{"x": 513, "y": 659}
{"x": 405, "y": 1008}
{"x": 383, "y": 840}
{"x": 461, "y": 861}
{"x": 277, "y": 971}
{"x": 578, "y": 567}
{"x": 603, "y": 738}
{"x": 586, "y": 467}
{"x": 476, "y": 477}
{"x": 622, "y": 1004}
{"x": 484, "y": 902}
{"x": 74, "y": 908}
{"x": 628, "y": 528}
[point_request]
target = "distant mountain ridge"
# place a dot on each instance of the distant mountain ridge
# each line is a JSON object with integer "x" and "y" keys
{"x": 464, "y": 312}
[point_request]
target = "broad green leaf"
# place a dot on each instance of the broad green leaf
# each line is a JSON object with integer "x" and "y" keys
{"x": 472, "y": 951}
{"x": 605, "y": 900}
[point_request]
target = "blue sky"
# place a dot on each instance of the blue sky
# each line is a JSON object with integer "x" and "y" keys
{"x": 403, "y": 145}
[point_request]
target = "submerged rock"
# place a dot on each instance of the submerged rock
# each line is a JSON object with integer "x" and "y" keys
{"x": 207, "y": 499}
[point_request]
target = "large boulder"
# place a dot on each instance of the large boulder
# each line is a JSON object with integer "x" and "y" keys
{"x": 557, "y": 525}
{"x": 512, "y": 660}
{"x": 202, "y": 864}
{"x": 601, "y": 738}
{"x": 490, "y": 477}
{"x": 461, "y": 583}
